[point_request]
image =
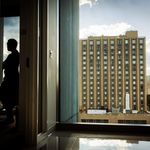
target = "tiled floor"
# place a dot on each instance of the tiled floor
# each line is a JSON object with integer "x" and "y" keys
{"x": 83, "y": 141}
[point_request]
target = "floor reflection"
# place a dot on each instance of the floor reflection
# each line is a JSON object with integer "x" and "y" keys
{"x": 109, "y": 144}
{"x": 69, "y": 141}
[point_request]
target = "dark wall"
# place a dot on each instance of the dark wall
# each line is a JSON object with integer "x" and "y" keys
{"x": 9, "y": 8}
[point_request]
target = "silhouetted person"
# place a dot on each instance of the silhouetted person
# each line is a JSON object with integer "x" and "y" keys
{"x": 10, "y": 85}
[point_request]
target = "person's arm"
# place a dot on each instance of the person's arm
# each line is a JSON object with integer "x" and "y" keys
{"x": 4, "y": 64}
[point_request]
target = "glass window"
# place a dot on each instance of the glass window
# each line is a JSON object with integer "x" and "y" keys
{"x": 112, "y": 47}
{"x": 105, "y": 42}
{"x": 124, "y": 66}
{"x": 134, "y": 62}
{"x": 84, "y": 42}
{"x": 91, "y": 52}
{"x": 141, "y": 41}
{"x": 133, "y": 57}
{"x": 98, "y": 42}
{"x": 141, "y": 56}
{"x": 133, "y": 46}
{"x": 112, "y": 42}
{"x": 84, "y": 52}
{"x": 141, "y": 62}
{"x": 91, "y": 42}
{"x": 105, "y": 57}
{"x": 133, "y": 41}
{"x": 119, "y": 52}
{"x": 141, "y": 46}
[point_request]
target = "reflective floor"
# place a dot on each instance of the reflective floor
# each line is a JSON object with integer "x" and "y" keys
{"x": 79, "y": 141}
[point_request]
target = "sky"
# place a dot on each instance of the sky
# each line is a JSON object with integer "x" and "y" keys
{"x": 115, "y": 17}
{"x": 11, "y": 30}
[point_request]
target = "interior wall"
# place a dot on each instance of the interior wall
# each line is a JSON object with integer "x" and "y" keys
{"x": 28, "y": 70}
{"x": 1, "y": 47}
{"x": 69, "y": 37}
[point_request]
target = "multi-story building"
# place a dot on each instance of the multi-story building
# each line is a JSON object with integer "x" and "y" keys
{"x": 113, "y": 67}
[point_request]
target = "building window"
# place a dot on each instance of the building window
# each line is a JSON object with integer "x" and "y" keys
{"x": 98, "y": 42}
{"x": 84, "y": 42}
{"x": 133, "y": 41}
{"x": 91, "y": 52}
{"x": 105, "y": 42}
{"x": 133, "y": 46}
{"x": 91, "y": 42}
{"x": 141, "y": 62}
{"x": 112, "y": 46}
{"x": 141, "y": 46}
{"x": 84, "y": 52}
{"x": 112, "y": 42}
{"x": 133, "y": 57}
{"x": 141, "y": 56}
{"x": 119, "y": 52}
{"x": 126, "y": 41}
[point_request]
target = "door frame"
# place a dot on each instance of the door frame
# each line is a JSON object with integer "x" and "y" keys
{"x": 33, "y": 53}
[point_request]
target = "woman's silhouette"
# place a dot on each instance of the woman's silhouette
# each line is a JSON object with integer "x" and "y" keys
{"x": 10, "y": 84}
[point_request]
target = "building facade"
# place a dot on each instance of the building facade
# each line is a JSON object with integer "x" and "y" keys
{"x": 112, "y": 68}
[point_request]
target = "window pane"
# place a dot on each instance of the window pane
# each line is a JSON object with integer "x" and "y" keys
{"x": 124, "y": 70}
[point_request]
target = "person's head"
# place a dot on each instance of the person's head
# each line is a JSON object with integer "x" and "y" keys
{"x": 11, "y": 44}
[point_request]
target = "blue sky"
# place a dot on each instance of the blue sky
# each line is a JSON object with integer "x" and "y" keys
{"x": 115, "y": 17}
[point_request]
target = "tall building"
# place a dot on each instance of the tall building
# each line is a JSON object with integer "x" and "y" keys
{"x": 112, "y": 68}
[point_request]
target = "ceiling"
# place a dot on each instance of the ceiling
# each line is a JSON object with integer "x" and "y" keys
{"x": 9, "y": 8}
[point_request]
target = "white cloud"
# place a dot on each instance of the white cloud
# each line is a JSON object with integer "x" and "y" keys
{"x": 109, "y": 30}
{"x": 89, "y": 2}
{"x": 148, "y": 45}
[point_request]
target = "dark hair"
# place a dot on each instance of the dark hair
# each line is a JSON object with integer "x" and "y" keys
{"x": 12, "y": 43}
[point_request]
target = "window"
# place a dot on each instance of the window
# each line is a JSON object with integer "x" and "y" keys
{"x": 98, "y": 42}
{"x": 112, "y": 47}
{"x": 134, "y": 62}
{"x": 141, "y": 46}
{"x": 121, "y": 57}
{"x": 141, "y": 62}
{"x": 105, "y": 42}
{"x": 105, "y": 67}
{"x": 133, "y": 57}
{"x": 141, "y": 56}
{"x": 112, "y": 42}
{"x": 141, "y": 41}
{"x": 133, "y": 41}
{"x": 126, "y": 41}
{"x": 133, "y": 46}
{"x": 84, "y": 42}
{"x": 105, "y": 57}
{"x": 91, "y": 42}
{"x": 119, "y": 52}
